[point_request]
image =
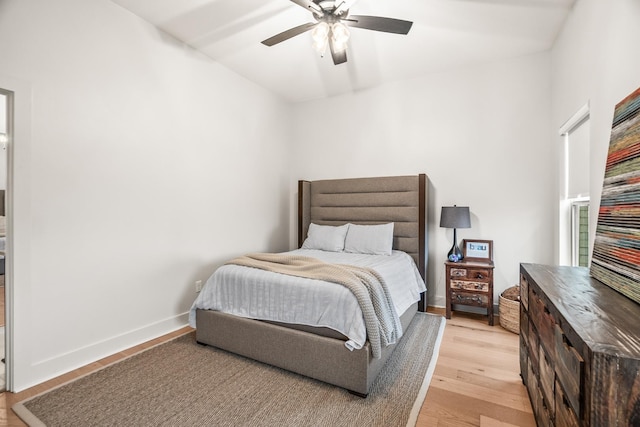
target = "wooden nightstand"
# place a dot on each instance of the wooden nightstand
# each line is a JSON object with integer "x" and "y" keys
{"x": 469, "y": 283}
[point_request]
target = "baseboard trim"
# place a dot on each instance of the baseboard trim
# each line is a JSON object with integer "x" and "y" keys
{"x": 47, "y": 369}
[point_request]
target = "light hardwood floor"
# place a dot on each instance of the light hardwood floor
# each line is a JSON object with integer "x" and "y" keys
{"x": 476, "y": 381}
{"x": 477, "y": 378}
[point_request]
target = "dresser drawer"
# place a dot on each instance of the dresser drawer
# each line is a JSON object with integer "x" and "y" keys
{"x": 524, "y": 291}
{"x": 478, "y": 300}
{"x": 540, "y": 315}
{"x": 545, "y": 418}
{"x": 524, "y": 326}
{"x": 534, "y": 345}
{"x": 565, "y": 417}
{"x": 569, "y": 369}
{"x": 535, "y": 305}
{"x": 468, "y": 285}
{"x": 537, "y": 402}
{"x": 547, "y": 381}
{"x": 524, "y": 361}
{"x": 532, "y": 384}
{"x": 477, "y": 274}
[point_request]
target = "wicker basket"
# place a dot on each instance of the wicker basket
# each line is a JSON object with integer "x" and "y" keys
{"x": 509, "y": 309}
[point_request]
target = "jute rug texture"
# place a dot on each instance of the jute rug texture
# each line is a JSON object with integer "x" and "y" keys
{"x": 181, "y": 383}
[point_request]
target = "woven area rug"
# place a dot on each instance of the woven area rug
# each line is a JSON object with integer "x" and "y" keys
{"x": 181, "y": 383}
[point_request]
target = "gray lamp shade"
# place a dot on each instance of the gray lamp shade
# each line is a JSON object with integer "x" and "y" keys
{"x": 455, "y": 217}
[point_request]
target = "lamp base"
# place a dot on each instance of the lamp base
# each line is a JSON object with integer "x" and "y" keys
{"x": 455, "y": 254}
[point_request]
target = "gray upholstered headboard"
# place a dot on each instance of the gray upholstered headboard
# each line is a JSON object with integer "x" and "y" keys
{"x": 398, "y": 199}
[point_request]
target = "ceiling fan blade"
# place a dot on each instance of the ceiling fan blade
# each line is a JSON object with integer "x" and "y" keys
{"x": 309, "y": 5}
{"x": 377, "y": 23}
{"x": 338, "y": 57}
{"x": 291, "y": 32}
{"x": 343, "y": 7}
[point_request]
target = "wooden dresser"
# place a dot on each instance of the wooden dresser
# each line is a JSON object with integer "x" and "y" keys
{"x": 579, "y": 348}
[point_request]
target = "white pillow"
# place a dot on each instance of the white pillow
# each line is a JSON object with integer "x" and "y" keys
{"x": 369, "y": 239}
{"x": 325, "y": 237}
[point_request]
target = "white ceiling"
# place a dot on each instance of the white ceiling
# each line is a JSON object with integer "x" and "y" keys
{"x": 446, "y": 34}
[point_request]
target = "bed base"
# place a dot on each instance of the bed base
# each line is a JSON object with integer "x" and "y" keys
{"x": 322, "y": 358}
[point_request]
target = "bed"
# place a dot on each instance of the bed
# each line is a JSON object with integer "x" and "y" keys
{"x": 321, "y": 352}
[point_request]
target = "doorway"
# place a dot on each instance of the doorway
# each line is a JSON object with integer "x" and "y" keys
{"x": 4, "y": 139}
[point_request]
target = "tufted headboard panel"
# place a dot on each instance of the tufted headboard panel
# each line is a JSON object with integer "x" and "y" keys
{"x": 398, "y": 199}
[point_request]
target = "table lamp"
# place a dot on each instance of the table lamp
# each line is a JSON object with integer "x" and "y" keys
{"x": 455, "y": 217}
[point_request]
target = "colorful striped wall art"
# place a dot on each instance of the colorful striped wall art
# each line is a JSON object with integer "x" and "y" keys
{"x": 616, "y": 251}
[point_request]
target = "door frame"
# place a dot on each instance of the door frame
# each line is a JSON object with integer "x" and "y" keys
{"x": 8, "y": 335}
{"x": 18, "y": 358}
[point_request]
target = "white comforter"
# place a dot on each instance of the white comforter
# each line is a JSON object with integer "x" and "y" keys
{"x": 250, "y": 292}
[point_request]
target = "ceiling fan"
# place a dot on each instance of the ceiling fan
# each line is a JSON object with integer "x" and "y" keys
{"x": 330, "y": 28}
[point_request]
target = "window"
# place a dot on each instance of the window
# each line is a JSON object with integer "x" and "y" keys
{"x": 574, "y": 191}
{"x": 580, "y": 233}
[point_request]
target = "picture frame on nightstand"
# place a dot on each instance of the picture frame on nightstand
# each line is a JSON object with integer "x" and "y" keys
{"x": 475, "y": 250}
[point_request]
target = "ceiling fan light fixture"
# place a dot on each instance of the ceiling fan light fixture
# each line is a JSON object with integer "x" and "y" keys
{"x": 320, "y": 37}
{"x": 340, "y": 36}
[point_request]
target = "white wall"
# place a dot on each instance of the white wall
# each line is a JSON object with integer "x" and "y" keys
{"x": 595, "y": 60}
{"x": 140, "y": 165}
{"x": 481, "y": 135}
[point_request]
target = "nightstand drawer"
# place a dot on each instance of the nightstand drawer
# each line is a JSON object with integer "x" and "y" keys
{"x": 478, "y": 274}
{"x": 470, "y": 286}
{"x": 478, "y": 300}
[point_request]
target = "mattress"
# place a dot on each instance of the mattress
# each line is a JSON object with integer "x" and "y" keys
{"x": 263, "y": 295}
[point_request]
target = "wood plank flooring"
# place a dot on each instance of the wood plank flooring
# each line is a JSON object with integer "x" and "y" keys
{"x": 476, "y": 380}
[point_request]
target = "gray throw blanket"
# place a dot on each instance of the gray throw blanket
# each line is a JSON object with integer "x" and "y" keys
{"x": 380, "y": 317}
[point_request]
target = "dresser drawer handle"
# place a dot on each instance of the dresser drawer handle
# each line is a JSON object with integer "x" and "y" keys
{"x": 565, "y": 402}
{"x": 479, "y": 276}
